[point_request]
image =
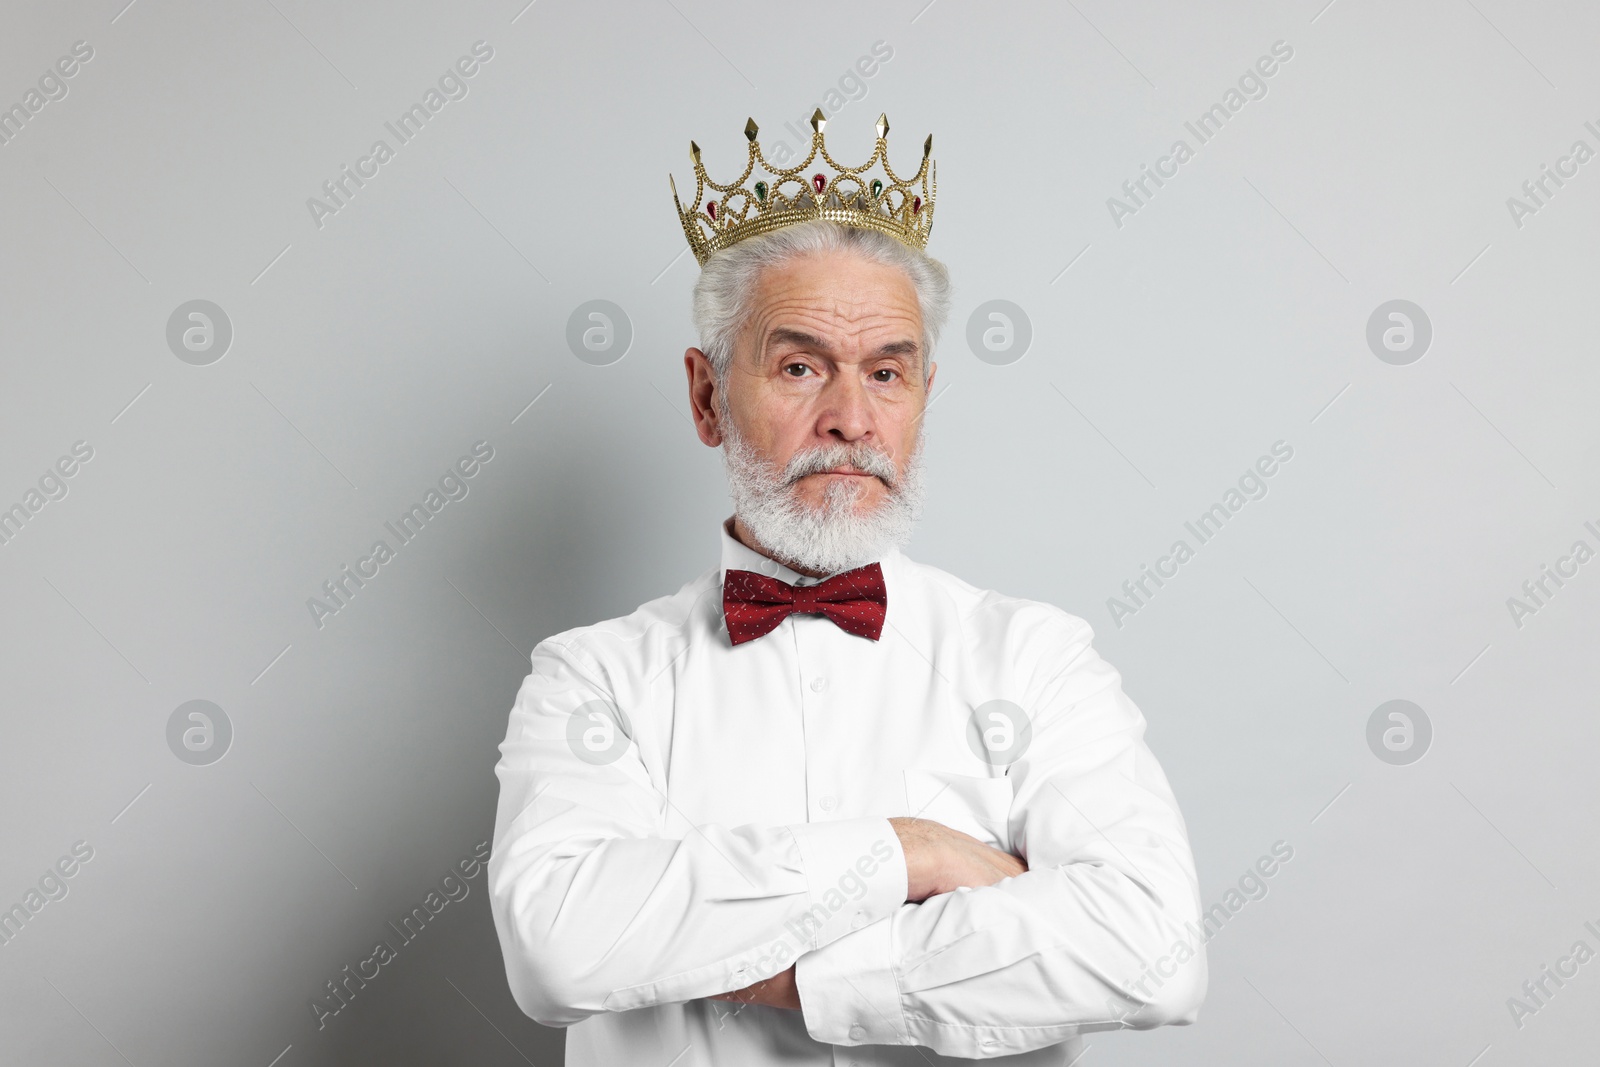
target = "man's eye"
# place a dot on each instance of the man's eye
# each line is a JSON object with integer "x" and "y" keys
{"x": 880, "y": 372}
{"x": 791, "y": 369}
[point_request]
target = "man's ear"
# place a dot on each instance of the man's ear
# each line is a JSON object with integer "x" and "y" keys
{"x": 933, "y": 368}
{"x": 702, "y": 396}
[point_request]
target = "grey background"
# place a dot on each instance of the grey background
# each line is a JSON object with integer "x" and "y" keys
{"x": 1167, "y": 354}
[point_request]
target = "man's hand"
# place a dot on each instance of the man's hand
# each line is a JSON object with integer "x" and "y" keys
{"x": 940, "y": 859}
{"x": 779, "y": 991}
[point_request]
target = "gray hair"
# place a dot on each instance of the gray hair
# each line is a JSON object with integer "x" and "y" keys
{"x": 722, "y": 294}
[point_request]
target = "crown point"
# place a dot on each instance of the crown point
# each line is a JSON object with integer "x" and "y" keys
{"x": 818, "y": 120}
{"x": 927, "y": 146}
{"x": 694, "y": 151}
{"x": 751, "y": 129}
{"x": 883, "y": 126}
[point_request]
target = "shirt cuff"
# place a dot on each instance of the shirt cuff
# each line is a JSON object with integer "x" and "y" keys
{"x": 855, "y": 872}
{"x": 848, "y": 993}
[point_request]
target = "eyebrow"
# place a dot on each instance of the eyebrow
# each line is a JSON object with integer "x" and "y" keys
{"x": 788, "y": 335}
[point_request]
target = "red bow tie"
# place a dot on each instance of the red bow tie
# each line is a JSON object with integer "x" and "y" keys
{"x": 754, "y": 604}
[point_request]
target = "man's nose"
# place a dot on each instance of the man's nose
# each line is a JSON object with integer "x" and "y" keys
{"x": 846, "y": 409}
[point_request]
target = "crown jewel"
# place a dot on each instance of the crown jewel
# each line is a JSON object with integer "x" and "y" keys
{"x": 899, "y": 207}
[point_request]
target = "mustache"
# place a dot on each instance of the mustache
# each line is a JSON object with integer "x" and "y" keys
{"x": 864, "y": 458}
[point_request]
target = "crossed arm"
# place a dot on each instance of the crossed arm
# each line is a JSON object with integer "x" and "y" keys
{"x": 973, "y": 954}
{"x": 938, "y": 860}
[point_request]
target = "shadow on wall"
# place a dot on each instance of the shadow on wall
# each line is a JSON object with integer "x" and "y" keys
{"x": 551, "y": 549}
{"x": 443, "y": 1001}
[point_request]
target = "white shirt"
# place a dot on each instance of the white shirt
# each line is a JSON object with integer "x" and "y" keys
{"x": 734, "y": 816}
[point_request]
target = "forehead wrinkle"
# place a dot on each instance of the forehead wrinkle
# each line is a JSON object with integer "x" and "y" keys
{"x": 834, "y": 312}
{"x": 806, "y": 325}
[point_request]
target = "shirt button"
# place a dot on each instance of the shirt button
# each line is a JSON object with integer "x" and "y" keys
{"x": 829, "y": 802}
{"x": 858, "y": 920}
{"x": 857, "y": 1033}
{"x": 818, "y": 684}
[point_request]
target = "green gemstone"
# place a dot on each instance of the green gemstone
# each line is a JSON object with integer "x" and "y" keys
{"x": 877, "y": 188}
{"x": 761, "y": 191}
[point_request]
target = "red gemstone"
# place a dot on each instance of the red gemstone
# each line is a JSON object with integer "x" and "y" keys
{"x": 711, "y": 208}
{"x": 819, "y": 182}
{"x": 916, "y": 204}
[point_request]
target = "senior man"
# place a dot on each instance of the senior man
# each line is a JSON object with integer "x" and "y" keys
{"x": 826, "y": 804}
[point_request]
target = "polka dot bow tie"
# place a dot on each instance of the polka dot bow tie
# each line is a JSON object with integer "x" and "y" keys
{"x": 754, "y": 604}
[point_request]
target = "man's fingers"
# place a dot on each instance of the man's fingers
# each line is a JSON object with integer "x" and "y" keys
{"x": 1008, "y": 860}
{"x": 940, "y": 859}
{"x": 998, "y": 865}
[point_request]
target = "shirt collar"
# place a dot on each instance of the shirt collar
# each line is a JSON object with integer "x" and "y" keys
{"x": 739, "y": 556}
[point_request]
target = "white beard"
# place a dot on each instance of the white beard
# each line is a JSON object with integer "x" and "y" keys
{"x": 833, "y": 537}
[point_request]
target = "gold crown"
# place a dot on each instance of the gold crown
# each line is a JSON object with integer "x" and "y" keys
{"x": 899, "y": 207}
